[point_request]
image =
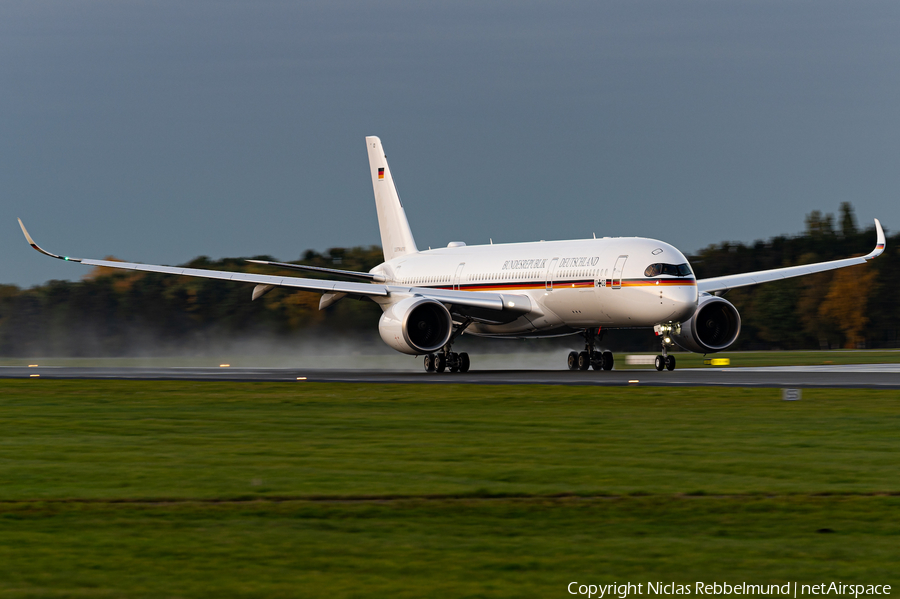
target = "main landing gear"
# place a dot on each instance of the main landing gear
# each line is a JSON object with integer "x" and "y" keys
{"x": 441, "y": 361}
{"x": 664, "y": 360}
{"x": 446, "y": 359}
{"x": 590, "y": 357}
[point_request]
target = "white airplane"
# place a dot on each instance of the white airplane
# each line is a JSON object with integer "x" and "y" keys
{"x": 542, "y": 289}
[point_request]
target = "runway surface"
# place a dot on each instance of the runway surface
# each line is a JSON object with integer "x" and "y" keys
{"x": 877, "y": 376}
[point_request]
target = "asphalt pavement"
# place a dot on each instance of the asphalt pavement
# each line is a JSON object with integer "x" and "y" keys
{"x": 877, "y": 376}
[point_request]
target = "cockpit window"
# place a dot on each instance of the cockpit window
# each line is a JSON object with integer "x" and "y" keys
{"x": 675, "y": 270}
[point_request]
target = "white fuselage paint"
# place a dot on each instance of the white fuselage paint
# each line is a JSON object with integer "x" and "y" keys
{"x": 572, "y": 285}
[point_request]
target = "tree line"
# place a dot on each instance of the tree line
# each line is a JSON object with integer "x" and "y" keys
{"x": 121, "y": 313}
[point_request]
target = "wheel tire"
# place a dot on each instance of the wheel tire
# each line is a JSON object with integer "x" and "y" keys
{"x": 573, "y": 360}
{"x": 597, "y": 360}
{"x": 454, "y": 362}
{"x": 440, "y": 363}
{"x": 608, "y": 360}
{"x": 670, "y": 363}
{"x": 584, "y": 360}
{"x": 464, "y": 362}
{"x": 660, "y": 363}
{"x": 429, "y": 362}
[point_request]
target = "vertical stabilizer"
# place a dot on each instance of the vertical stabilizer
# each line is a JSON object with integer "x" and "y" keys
{"x": 396, "y": 237}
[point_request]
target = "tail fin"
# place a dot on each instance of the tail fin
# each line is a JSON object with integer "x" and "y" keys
{"x": 396, "y": 237}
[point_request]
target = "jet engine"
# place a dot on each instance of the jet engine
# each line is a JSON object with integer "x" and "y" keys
{"x": 713, "y": 327}
{"x": 416, "y": 325}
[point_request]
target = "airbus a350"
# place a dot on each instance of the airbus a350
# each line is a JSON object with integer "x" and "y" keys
{"x": 540, "y": 289}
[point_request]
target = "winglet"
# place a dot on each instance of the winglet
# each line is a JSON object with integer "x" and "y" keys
{"x": 40, "y": 249}
{"x": 879, "y": 242}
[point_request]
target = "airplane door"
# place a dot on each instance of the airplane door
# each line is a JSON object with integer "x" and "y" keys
{"x": 551, "y": 271}
{"x": 458, "y": 275}
{"x": 617, "y": 272}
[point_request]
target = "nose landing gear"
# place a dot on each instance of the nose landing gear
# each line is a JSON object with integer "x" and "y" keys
{"x": 590, "y": 357}
{"x": 664, "y": 332}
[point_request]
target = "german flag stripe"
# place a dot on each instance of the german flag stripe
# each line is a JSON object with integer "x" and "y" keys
{"x": 658, "y": 282}
{"x": 582, "y": 284}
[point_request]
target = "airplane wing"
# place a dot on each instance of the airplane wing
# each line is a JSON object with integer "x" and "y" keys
{"x": 365, "y": 276}
{"x": 727, "y": 282}
{"x": 514, "y": 304}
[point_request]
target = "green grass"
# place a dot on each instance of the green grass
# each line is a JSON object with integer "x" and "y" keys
{"x": 451, "y": 548}
{"x": 147, "y": 489}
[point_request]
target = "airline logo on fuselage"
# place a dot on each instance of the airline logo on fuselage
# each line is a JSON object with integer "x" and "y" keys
{"x": 524, "y": 264}
{"x": 579, "y": 262}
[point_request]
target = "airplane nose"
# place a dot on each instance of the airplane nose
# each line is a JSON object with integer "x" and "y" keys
{"x": 684, "y": 301}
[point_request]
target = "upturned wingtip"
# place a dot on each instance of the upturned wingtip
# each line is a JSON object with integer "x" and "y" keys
{"x": 25, "y": 231}
{"x": 879, "y": 241}
{"x": 39, "y": 248}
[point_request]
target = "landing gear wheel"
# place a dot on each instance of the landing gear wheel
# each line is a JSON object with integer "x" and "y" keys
{"x": 584, "y": 360}
{"x": 670, "y": 363}
{"x": 573, "y": 360}
{"x": 454, "y": 362}
{"x": 660, "y": 363}
{"x": 597, "y": 360}
{"x": 607, "y": 360}
{"x": 429, "y": 362}
{"x": 464, "y": 362}
{"x": 440, "y": 363}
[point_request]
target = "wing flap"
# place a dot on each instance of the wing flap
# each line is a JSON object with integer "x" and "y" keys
{"x": 331, "y": 271}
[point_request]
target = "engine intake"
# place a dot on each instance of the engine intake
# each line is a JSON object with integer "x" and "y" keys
{"x": 714, "y": 326}
{"x": 416, "y": 326}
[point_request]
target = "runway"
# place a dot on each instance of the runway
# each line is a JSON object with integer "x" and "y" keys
{"x": 874, "y": 376}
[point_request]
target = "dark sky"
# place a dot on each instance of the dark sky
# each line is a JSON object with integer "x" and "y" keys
{"x": 157, "y": 131}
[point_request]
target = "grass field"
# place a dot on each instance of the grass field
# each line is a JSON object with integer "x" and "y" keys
{"x": 149, "y": 489}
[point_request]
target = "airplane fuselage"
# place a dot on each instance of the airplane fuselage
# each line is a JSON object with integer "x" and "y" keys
{"x": 572, "y": 285}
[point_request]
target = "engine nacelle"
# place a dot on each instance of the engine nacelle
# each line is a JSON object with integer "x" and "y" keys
{"x": 416, "y": 325}
{"x": 714, "y": 326}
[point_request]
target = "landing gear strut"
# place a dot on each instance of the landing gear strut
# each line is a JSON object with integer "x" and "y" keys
{"x": 444, "y": 359}
{"x": 665, "y": 332}
{"x": 590, "y": 357}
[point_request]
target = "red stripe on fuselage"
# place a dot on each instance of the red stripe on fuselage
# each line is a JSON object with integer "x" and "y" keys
{"x": 582, "y": 284}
